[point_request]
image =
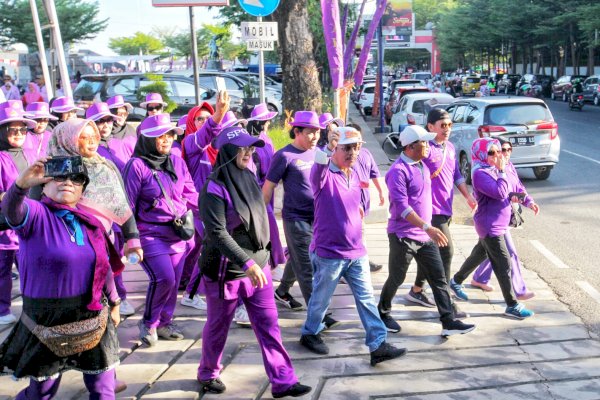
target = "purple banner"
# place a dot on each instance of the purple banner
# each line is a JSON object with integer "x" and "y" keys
{"x": 349, "y": 49}
{"x": 333, "y": 41}
{"x": 364, "y": 54}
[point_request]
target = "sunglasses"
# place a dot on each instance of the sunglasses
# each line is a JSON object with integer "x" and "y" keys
{"x": 154, "y": 108}
{"x": 446, "y": 125}
{"x": 493, "y": 152}
{"x": 14, "y": 131}
{"x": 200, "y": 119}
{"x": 106, "y": 120}
{"x": 76, "y": 179}
{"x": 507, "y": 149}
{"x": 348, "y": 148}
{"x": 246, "y": 149}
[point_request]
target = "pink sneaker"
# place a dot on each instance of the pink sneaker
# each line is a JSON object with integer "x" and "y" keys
{"x": 482, "y": 286}
{"x": 526, "y": 296}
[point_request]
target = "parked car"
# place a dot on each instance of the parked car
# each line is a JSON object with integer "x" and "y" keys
{"x": 422, "y": 76}
{"x": 412, "y": 110}
{"x": 270, "y": 83}
{"x": 526, "y": 122}
{"x": 367, "y": 97}
{"x": 544, "y": 80}
{"x": 470, "y": 85}
{"x": 180, "y": 89}
{"x": 357, "y": 89}
{"x": 591, "y": 89}
{"x": 507, "y": 83}
{"x": 562, "y": 87}
{"x": 396, "y": 91}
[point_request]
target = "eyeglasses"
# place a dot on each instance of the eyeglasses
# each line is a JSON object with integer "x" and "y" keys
{"x": 200, "y": 119}
{"x": 446, "y": 125}
{"x": 507, "y": 149}
{"x": 246, "y": 149}
{"x": 107, "y": 120}
{"x": 76, "y": 179}
{"x": 14, "y": 131}
{"x": 154, "y": 108}
{"x": 347, "y": 148}
{"x": 493, "y": 152}
{"x": 88, "y": 139}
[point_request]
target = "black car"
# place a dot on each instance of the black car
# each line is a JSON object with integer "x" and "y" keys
{"x": 95, "y": 88}
{"x": 507, "y": 83}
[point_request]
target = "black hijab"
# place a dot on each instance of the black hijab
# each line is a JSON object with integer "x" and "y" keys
{"x": 145, "y": 148}
{"x": 16, "y": 153}
{"x": 245, "y": 194}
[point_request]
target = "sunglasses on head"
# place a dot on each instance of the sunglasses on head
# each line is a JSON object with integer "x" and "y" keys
{"x": 76, "y": 179}
{"x": 154, "y": 108}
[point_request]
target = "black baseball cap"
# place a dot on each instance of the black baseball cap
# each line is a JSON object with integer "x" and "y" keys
{"x": 436, "y": 114}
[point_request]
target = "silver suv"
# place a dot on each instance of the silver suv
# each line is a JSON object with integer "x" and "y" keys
{"x": 526, "y": 122}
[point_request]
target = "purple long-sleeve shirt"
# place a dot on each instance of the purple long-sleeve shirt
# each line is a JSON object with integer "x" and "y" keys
{"x": 36, "y": 145}
{"x": 119, "y": 151}
{"x": 196, "y": 156}
{"x": 8, "y": 174}
{"x": 50, "y": 264}
{"x": 337, "y": 230}
{"x": 491, "y": 189}
{"x": 442, "y": 186}
{"x": 409, "y": 187}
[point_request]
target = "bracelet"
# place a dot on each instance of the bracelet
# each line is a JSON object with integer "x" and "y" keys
{"x": 114, "y": 303}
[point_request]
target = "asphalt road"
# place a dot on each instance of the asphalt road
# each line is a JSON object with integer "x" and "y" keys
{"x": 562, "y": 244}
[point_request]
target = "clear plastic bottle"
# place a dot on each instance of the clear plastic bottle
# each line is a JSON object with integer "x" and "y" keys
{"x": 133, "y": 258}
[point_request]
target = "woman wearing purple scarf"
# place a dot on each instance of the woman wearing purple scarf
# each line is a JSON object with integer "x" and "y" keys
{"x": 67, "y": 264}
{"x": 491, "y": 189}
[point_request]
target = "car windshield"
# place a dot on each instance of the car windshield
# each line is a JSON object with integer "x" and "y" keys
{"x": 517, "y": 114}
{"x": 87, "y": 89}
{"x": 473, "y": 80}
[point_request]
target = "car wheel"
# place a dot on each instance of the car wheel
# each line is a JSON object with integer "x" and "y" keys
{"x": 465, "y": 168}
{"x": 542, "y": 173}
{"x": 564, "y": 97}
{"x": 553, "y": 96}
{"x": 596, "y": 101}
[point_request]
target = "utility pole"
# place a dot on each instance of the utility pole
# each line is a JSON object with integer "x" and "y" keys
{"x": 60, "y": 52}
{"x": 41, "y": 49}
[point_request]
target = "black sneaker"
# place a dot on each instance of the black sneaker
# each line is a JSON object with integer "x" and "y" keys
{"x": 386, "y": 352}
{"x": 288, "y": 301}
{"x": 14, "y": 276}
{"x": 419, "y": 298}
{"x": 390, "y": 323}
{"x": 374, "y": 267}
{"x": 330, "y": 322}
{"x": 212, "y": 386}
{"x": 456, "y": 327}
{"x": 314, "y": 343}
{"x": 296, "y": 390}
{"x": 458, "y": 313}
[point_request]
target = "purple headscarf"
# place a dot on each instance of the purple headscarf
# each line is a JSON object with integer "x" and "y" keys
{"x": 479, "y": 152}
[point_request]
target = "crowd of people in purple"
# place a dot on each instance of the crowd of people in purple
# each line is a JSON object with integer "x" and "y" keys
{"x": 193, "y": 204}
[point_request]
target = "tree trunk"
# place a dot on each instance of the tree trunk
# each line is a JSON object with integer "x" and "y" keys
{"x": 590, "y": 60}
{"x": 301, "y": 88}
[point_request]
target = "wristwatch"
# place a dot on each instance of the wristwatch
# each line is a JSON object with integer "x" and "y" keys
{"x": 114, "y": 303}
{"x": 426, "y": 226}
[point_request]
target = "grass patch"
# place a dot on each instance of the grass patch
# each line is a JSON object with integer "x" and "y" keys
{"x": 280, "y": 136}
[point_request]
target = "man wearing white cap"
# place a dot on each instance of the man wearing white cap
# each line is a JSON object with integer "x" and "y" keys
{"x": 410, "y": 232}
{"x": 337, "y": 249}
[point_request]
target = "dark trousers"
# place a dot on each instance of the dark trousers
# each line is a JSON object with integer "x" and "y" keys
{"x": 402, "y": 251}
{"x": 495, "y": 249}
{"x": 442, "y": 222}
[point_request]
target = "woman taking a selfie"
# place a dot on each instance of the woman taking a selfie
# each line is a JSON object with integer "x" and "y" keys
{"x": 70, "y": 305}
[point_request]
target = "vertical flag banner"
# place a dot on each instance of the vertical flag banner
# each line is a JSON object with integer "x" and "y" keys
{"x": 349, "y": 50}
{"x": 333, "y": 41}
{"x": 364, "y": 54}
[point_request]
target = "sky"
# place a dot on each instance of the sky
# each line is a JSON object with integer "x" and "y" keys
{"x": 129, "y": 16}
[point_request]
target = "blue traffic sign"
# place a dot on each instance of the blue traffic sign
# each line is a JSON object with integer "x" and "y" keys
{"x": 259, "y": 8}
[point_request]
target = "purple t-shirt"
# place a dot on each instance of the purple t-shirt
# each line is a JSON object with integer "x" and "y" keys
{"x": 36, "y": 145}
{"x": 491, "y": 189}
{"x": 337, "y": 231}
{"x": 442, "y": 186}
{"x": 292, "y": 166}
{"x": 196, "y": 156}
{"x": 367, "y": 169}
{"x": 262, "y": 158}
{"x": 8, "y": 174}
{"x": 409, "y": 186}
{"x": 119, "y": 151}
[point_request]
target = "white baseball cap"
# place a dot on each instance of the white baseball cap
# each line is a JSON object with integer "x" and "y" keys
{"x": 348, "y": 136}
{"x": 415, "y": 133}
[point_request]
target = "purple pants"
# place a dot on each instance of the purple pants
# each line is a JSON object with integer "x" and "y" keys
{"x": 164, "y": 272}
{"x": 7, "y": 258}
{"x": 101, "y": 387}
{"x": 260, "y": 304}
{"x": 483, "y": 274}
{"x": 119, "y": 242}
{"x": 190, "y": 267}
{"x": 277, "y": 255}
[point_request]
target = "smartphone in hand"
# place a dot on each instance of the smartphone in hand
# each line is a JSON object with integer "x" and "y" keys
{"x": 61, "y": 166}
{"x": 519, "y": 195}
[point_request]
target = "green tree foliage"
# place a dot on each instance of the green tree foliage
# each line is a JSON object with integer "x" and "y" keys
{"x": 157, "y": 86}
{"x": 147, "y": 44}
{"x": 78, "y": 20}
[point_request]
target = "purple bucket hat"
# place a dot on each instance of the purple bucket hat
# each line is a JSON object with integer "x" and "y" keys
{"x": 153, "y": 98}
{"x": 261, "y": 112}
{"x": 118, "y": 101}
{"x": 157, "y": 125}
{"x": 63, "y": 104}
{"x": 14, "y": 104}
{"x": 98, "y": 111}
{"x": 182, "y": 123}
{"x": 8, "y": 115}
{"x": 326, "y": 118}
{"x": 229, "y": 120}
{"x": 39, "y": 109}
{"x": 236, "y": 136}
{"x": 306, "y": 119}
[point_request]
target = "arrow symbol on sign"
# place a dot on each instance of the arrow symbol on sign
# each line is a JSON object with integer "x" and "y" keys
{"x": 255, "y": 3}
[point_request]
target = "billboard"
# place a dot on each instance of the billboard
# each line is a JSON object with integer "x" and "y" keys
{"x": 398, "y": 20}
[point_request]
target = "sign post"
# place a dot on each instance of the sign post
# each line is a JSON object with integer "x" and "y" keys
{"x": 260, "y": 8}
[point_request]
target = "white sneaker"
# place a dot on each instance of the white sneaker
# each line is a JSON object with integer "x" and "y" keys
{"x": 197, "y": 302}
{"x": 126, "y": 308}
{"x": 11, "y": 319}
{"x": 241, "y": 316}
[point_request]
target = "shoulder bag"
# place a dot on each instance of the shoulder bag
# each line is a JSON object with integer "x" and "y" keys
{"x": 183, "y": 225}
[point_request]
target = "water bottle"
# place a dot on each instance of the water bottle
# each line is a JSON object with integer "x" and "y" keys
{"x": 133, "y": 258}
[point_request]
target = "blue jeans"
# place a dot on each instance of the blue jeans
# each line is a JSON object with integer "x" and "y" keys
{"x": 326, "y": 275}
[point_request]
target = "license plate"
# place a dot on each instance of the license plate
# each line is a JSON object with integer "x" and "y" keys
{"x": 522, "y": 141}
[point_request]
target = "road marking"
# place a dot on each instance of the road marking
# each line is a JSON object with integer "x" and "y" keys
{"x": 589, "y": 289}
{"x": 548, "y": 254}
{"x": 584, "y": 157}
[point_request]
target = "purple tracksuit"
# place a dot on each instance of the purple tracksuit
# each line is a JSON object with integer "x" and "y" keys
{"x": 164, "y": 251}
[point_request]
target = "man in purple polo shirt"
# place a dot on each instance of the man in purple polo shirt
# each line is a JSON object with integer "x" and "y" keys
{"x": 337, "y": 249}
{"x": 445, "y": 174}
{"x": 411, "y": 234}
